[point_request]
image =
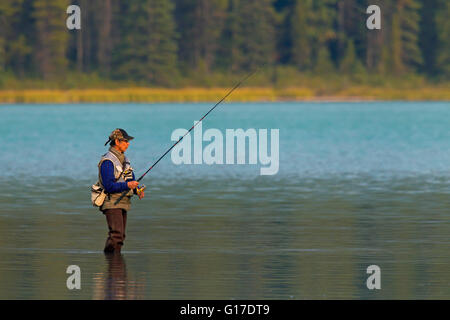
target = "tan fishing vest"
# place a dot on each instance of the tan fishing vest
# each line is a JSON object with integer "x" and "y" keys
{"x": 125, "y": 203}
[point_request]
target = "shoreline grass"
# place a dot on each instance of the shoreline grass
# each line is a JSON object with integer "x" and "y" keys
{"x": 247, "y": 94}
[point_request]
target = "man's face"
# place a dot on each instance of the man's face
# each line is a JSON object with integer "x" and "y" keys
{"x": 122, "y": 145}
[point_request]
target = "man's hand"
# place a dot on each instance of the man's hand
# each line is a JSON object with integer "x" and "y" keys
{"x": 132, "y": 184}
{"x": 140, "y": 191}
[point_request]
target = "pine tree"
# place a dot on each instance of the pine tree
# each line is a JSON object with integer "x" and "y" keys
{"x": 228, "y": 51}
{"x": 130, "y": 54}
{"x": 104, "y": 16}
{"x": 428, "y": 37}
{"x": 7, "y": 12}
{"x": 199, "y": 24}
{"x": 51, "y": 37}
{"x": 410, "y": 34}
{"x": 396, "y": 45}
{"x": 253, "y": 34}
{"x": 406, "y": 55}
{"x": 162, "y": 46}
{"x": 443, "y": 23}
{"x": 147, "y": 47}
{"x": 301, "y": 34}
{"x": 14, "y": 46}
{"x": 351, "y": 26}
{"x": 324, "y": 17}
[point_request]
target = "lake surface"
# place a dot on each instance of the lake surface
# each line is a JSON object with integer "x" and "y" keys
{"x": 359, "y": 184}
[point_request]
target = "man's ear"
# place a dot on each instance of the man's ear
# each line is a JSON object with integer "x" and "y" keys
{"x": 117, "y": 141}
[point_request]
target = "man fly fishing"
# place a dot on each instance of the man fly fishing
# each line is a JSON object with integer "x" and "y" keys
{"x": 115, "y": 177}
{"x": 117, "y": 183}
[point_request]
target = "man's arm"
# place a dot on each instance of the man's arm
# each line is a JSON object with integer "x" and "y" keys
{"x": 109, "y": 182}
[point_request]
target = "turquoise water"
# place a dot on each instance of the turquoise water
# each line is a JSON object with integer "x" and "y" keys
{"x": 358, "y": 184}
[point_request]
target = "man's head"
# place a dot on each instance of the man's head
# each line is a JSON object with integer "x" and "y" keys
{"x": 119, "y": 139}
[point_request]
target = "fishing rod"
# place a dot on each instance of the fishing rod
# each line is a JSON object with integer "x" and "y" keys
{"x": 124, "y": 193}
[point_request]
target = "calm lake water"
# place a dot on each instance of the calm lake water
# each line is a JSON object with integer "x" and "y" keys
{"x": 359, "y": 184}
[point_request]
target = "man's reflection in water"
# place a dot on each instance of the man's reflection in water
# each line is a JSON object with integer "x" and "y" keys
{"x": 114, "y": 284}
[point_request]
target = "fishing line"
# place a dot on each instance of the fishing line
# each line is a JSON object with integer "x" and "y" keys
{"x": 201, "y": 119}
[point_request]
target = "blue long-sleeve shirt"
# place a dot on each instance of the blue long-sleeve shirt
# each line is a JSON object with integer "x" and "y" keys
{"x": 109, "y": 182}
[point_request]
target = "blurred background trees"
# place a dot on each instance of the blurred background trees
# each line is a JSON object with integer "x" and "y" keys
{"x": 158, "y": 42}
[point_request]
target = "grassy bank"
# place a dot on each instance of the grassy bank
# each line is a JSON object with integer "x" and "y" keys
{"x": 247, "y": 94}
{"x": 280, "y": 84}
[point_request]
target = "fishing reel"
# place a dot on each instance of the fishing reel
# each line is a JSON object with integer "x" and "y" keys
{"x": 140, "y": 190}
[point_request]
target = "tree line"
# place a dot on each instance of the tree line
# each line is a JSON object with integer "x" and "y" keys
{"x": 155, "y": 41}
